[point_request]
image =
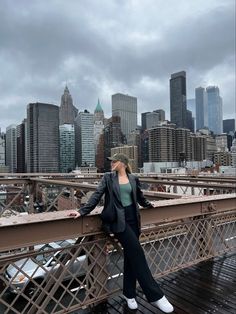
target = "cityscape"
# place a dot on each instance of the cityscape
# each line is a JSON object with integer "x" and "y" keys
{"x": 63, "y": 139}
{"x": 117, "y": 156}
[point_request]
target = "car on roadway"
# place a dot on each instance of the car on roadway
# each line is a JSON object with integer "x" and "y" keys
{"x": 27, "y": 273}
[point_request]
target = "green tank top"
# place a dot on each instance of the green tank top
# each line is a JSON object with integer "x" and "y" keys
{"x": 125, "y": 194}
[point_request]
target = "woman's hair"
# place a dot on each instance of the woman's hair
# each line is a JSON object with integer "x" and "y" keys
{"x": 128, "y": 168}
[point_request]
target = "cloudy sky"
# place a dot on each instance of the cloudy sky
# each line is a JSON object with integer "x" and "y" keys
{"x": 101, "y": 47}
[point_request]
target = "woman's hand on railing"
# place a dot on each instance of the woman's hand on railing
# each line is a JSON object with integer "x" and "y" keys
{"x": 74, "y": 213}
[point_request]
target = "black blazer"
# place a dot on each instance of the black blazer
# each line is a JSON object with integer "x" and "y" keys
{"x": 108, "y": 182}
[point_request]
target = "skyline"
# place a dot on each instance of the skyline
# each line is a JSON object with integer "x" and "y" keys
{"x": 113, "y": 47}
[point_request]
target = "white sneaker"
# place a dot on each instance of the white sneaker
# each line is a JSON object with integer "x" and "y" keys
{"x": 164, "y": 305}
{"x": 132, "y": 304}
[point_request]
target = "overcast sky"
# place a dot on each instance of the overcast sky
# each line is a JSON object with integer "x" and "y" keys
{"x": 101, "y": 47}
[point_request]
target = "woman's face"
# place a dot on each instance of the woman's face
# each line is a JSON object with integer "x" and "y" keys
{"x": 117, "y": 165}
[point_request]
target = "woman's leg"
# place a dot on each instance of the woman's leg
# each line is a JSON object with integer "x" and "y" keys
{"x": 137, "y": 262}
{"x": 129, "y": 279}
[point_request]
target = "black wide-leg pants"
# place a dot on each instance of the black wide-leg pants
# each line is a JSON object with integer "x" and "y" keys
{"x": 135, "y": 264}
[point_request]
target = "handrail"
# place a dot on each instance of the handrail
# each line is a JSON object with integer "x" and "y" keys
{"x": 53, "y": 226}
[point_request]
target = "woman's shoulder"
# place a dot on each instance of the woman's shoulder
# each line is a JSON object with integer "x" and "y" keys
{"x": 108, "y": 175}
{"x": 133, "y": 176}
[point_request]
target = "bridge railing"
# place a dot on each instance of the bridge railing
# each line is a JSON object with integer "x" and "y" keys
{"x": 52, "y": 193}
{"x": 51, "y": 263}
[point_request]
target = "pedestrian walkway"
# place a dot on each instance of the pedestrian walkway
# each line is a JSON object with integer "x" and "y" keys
{"x": 209, "y": 287}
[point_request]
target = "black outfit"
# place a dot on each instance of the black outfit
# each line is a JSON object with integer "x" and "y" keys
{"x": 126, "y": 229}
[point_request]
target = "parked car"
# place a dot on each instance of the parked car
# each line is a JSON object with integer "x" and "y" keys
{"x": 20, "y": 273}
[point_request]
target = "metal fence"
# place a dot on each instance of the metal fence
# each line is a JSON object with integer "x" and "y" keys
{"x": 50, "y": 263}
{"x": 33, "y": 194}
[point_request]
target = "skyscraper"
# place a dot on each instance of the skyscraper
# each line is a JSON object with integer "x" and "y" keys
{"x": 161, "y": 114}
{"x": 162, "y": 144}
{"x": 98, "y": 123}
{"x": 233, "y": 153}
{"x": 67, "y": 147}
{"x": 68, "y": 112}
{"x": 2, "y": 149}
{"x": 178, "y": 107}
{"x": 42, "y": 137}
{"x": 182, "y": 144}
{"x": 190, "y": 121}
{"x": 215, "y": 113}
{"x": 84, "y": 137}
{"x": 152, "y": 119}
{"x": 99, "y": 136}
{"x": 98, "y": 112}
{"x": 134, "y": 139}
{"x": 201, "y": 108}
{"x": 113, "y": 137}
{"x": 11, "y": 148}
{"x": 144, "y": 120}
{"x": 198, "y": 147}
{"x": 125, "y": 107}
{"x": 229, "y": 126}
{"x": 21, "y": 143}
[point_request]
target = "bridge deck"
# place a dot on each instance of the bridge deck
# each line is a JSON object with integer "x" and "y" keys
{"x": 209, "y": 287}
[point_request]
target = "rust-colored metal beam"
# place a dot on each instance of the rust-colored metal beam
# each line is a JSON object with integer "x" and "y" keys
{"x": 92, "y": 187}
{"x": 192, "y": 179}
{"x": 151, "y": 181}
{"x": 192, "y": 184}
{"x": 27, "y": 230}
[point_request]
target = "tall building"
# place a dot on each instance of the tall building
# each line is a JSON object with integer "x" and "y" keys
{"x": 162, "y": 144}
{"x": 223, "y": 158}
{"x": 21, "y": 143}
{"x": 100, "y": 154}
{"x": 68, "y": 111}
{"x": 125, "y": 107}
{"x": 144, "y": 146}
{"x": 144, "y": 120}
{"x": 134, "y": 139}
{"x": 197, "y": 147}
{"x": 11, "y": 148}
{"x": 190, "y": 121}
{"x": 222, "y": 142}
{"x": 183, "y": 152}
{"x": 201, "y": 108}
{"x": 215, "y": 113}
{"x": 162, "y": 115}
{"x": 99, "y": 136}
{"x": 233, "y": 153}
{"x": 229, "y": 126}
{"x": 191, "y": 105}
{"x": 211, "y": 148}
{"x": 152, "y": 119}
{"x": 67, "y": 147}
{"x": 99, "y": 113}
{"x": 178, "y": 106}
{"x": 98, "y": 124}
{"x": 131, "y": 151}
{"x": 113, "y": 137}
{"x": 2, "y": 149}
{"x": 84, "y": 139}
{"x": 42, "y": 137}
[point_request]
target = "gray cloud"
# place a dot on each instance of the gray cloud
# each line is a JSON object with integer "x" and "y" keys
{"x": 108, "y": 46}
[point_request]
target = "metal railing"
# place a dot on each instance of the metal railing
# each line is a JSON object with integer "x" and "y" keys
{"x": 50, "y": 263}
{"x": 22, "y": 193}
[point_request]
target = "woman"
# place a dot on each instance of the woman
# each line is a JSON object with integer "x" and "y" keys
{"x": 123, "y": 194}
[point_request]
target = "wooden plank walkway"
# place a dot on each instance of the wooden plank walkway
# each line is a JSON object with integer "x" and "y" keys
{"x": 209, "y": 287}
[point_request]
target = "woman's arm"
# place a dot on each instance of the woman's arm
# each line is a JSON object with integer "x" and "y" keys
{"x": 92, "y": 202}
{"x": 140, "y": 197}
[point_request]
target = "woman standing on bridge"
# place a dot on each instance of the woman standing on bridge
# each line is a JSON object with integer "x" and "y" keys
{"x": 122, "y": 218}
